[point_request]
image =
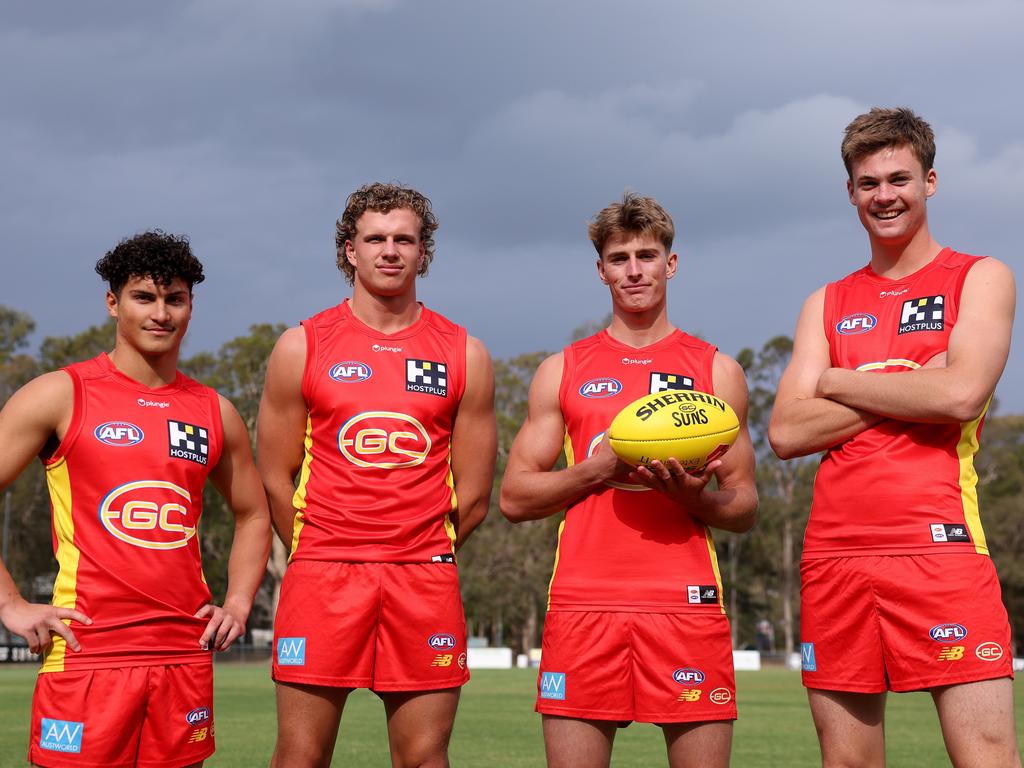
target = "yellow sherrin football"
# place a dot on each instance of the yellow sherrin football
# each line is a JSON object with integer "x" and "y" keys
{"x": 692, "y": 427}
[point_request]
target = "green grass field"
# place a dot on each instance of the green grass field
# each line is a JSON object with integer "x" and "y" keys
{"x": 496, "y": 725}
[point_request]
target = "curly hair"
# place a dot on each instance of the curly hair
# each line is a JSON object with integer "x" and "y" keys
{"x": 156, "y": 255}
{"x": 634, "y": 215}
{"x": 384, "y": 198}
{"x": 882, "y": 128}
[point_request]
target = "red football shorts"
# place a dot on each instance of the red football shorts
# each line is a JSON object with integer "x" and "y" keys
{"x": 155, "y": 717}
{"x": 649, "y": 667}
{"x": 902, "y": 622}
{"x": 382, "y": 626}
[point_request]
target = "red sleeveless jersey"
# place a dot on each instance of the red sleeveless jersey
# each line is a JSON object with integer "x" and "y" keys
{"x": 625, "y": 547}
{"x": 126, "y": 491}
{"x": 899, "y": 487}
{"x": 375, "y": 484}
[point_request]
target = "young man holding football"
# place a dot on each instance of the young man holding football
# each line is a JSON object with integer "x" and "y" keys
{"x": 128, "y": 442}
{"x": 636, "y": 626}
{"x": 892, "y": 372}
{"x": 384, "y": 412}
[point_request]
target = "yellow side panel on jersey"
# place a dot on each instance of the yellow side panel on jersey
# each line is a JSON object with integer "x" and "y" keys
{"x": 966, "y": 447}
{"x": 299, "y": 499}
{"x": 570, "y": 459}
{"x": 713, "y": 555}
{"x": 449, "y": 479}
{"x": 65, "y": 592}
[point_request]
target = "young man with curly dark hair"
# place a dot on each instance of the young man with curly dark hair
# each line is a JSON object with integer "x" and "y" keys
{"x": 128, "y": 442}
{"x": 384, "y": 412}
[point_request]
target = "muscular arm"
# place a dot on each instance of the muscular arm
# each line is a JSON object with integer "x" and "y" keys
{"x": 281, "y": 429}
{"x": 37, "y": 412}
{"x": 530, "y": 490}
{"x": 803, "y": 421}
{"x": 978, "y": 347}
{"x": 732, "y": 506}
{"x": 236, "y": 478}
{"x": 474, "y": 442}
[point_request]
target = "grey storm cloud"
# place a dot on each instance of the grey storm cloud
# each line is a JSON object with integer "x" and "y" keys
{"x": 245, "y": 125}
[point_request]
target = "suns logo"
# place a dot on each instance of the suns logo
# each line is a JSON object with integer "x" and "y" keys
{"x": 384, "y": 439}
{"x": 851, "y": 325}
{"x": 119, "y": 433}
{"x": 350, "y": 372}
{"x": 151, "y": 514}
{"x": 601, "y": 387}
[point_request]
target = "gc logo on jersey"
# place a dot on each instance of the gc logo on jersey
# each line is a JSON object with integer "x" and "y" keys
{"x": 187, "y": 441}
{"x": 923, "y": 314}
{"x": 662, "y": 382}
{"x": 350, "y": 372}
{"x": 688, "y": 676}
{"x": 851, "y": 325}
{"x": 384, "y": 439}
{"x": 602, "y": 387}
{"x": 426, "y": 376}
{"x": 119, "y": 433}
{"x": 151, "y": 514}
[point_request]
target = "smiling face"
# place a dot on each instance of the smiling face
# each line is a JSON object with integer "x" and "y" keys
{"x": 386, "y": 252}
{"x": 890, "y": 190}
{"x": 151, "y": 318}
{"x": 636, "y": 268}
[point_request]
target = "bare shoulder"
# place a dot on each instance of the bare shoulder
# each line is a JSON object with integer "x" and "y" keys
{"x": 476, "y": 352}
{"x": 290, "y": 346}
{"x": 726, "y": 367}
{"x": 991, "y": 270}
{"x": 52, "y": 394}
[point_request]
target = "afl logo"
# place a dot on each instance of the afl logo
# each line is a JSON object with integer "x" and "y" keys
{"x": 603, "y": 387}
{"x": 441, "y": 641}
{"x": 151, "y": 514}
{"x": 851, "y": 325}
{"x": 688, "y": 676}
{"x": 350, "y": 371}
{"x": 198, "y": 715}
{"x": 119, "y": 433}
{"x": 384, "y": 439}
{"x": 943, "y": 632}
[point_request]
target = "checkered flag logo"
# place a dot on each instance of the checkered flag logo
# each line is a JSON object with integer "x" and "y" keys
{"x": 662, "y": 382}
{"x": 188, "y": 441}
{"x": 426, "y": 376}
{"x": 922, "y": 314}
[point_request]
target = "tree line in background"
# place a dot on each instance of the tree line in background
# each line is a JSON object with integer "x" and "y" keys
{"x": 504, "y": 568}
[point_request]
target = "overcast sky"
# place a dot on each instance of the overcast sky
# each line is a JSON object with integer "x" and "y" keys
{"x": 245, "y": 125}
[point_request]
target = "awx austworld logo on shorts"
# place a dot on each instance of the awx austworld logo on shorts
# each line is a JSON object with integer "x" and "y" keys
{"x": 291, "y": 651}
{"x": 552, "y": 685}
{"x": 61, "y": 735}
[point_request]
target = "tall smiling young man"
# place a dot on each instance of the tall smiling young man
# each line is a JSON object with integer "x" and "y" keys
{"x": 892, "y": 372}
{"x": 128, "y": 443}
{"x": 384, "y": 413}
{"x": 636, "y": 626}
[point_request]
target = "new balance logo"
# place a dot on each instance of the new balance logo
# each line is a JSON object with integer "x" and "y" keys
{"x": 61, "y": 735}
{"x": 690, "y": 694}
{"x": 199, "y": 734}
{"x": 443, "y": 660}
{"x": 291, "y": 651}
{"x": 552, "y": 685}
{"x": 951, "y": 653}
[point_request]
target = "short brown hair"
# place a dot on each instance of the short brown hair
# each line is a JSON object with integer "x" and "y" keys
{"x": 882, "y": 128}
{"x": 384, "y": 198}
{"x": 634, "y": 215}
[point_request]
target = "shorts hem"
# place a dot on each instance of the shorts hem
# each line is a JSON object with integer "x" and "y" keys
{"x": 419, "y": 685}
{"x": 323, "y": 682}
{"x": 584, "y": 714}
{"x": 910, "y": 686}
{"x": 369, "y": 684}
{"x": 843, "y": 687}
{"x": 675, "y": 717}
{"x": 42, "y": 758}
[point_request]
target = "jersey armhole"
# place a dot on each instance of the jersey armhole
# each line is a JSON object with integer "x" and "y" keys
{"x": 307, "y": 368}
{"x": 827, "y": 321}
{"x": 461, "y": 340}
{"x": 709, "y": 367}
{"x": 958, "y": 286}
{"x": 568, "y": 364}
{"x": 74, "y": 424}
{"x": 218, "y": 426}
